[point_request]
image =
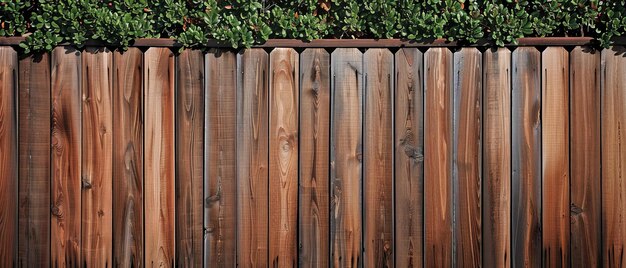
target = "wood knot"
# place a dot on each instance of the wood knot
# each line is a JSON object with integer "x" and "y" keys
{"x": 56, "y": 211}
{"x": 575, "y": 210}
{"x": 86, "y": 184}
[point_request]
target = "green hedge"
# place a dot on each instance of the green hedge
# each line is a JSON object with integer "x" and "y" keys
{"x": 247, "y": 22}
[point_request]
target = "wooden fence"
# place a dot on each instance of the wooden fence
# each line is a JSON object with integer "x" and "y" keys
{"x": 407, "y": 157}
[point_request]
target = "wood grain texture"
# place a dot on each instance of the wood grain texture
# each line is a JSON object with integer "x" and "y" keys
{"x": 34, "y": 161}
{"x": 526, "y": 158}
{"x": 613, "y": 112}
{"x": 555, "y": 156}
{"x": 409, "y": 158}
{"x": 438, "y": 81}
{"x": 252, "y": 158}
{"x": 97, "y": 165}
{"x": 378, "y": 159}
{"x": 467, "y": 156}
{"x": 497, "y": 158}
{"x": 66, "y": 156}
{"x": 220, "y": 192}
{"x": 8, "y": 157}
{"x": 159, "y": 157}
{"x": 189, "y": 157}
{"x": 284, "y": 148}
{"x": 346, "y": 157}
{"x": 314, "y": 158}
{"x": 585, "y": 189}
{"x": 128, "y": 179}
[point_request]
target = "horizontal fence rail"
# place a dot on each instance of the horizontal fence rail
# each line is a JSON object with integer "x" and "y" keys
{"x": 406, "y": 157}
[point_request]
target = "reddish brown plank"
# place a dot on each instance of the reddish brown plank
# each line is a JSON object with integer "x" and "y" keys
{"x": 438, "y": 83}
{"x": 97, "y": 166}
{"x": 128, "y": 154}
{"x": 189, "y": 157}
{"x": 220, "y": 192}
{"x": 555, "y": 156}
{"x": 585, "y": 189}
{"x": 159, "y": 157}
{"x": 8, "y": 157}
{"x": 284, "y": 99}
{"x": 346, "y": 156}
{"x": 34, "y": 161}
{"x": 526, "y": 158}
{"x": 409, "y": 158}
{"x": 378, "y": 154}
{"x": 252, "y": 158}
{"x": 467, "y": 156}
{"x": 314, "y": 158}
{"x": 66, "y": 154}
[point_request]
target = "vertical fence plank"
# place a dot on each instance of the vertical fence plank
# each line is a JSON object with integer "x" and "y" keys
{"x": 8, "y": 158}
{"x": 284, "y": 147}
{"x": 189, "y": 157}
{"x": 252, "y": 158}
{"x": 438, "y": 81}
{"x": 377, "y": 148}
{"x": 220, "y": 215}
{"x": 159, "y": 157}
{"x": 467, "y": 156}
{"x": 585, "y": 152}
{"x": 97, "y": 166}
{"x": 346, "y": 156}
{"x": 409, "y": 158}
{"x": 66, "y": 156}
{"x": 555, "y": 156}
{"x": 314, "y": 158}
{"x": 128, "y": 179}
{"x": 613, "y": 156}
{"x": 526, "y": 158}
{"x": 34, "y": 161}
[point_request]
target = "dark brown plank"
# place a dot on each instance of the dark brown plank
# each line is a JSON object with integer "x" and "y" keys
{"x": 378, "y": 154}
{"x": 97, "y": 166}
{"x": 585, "y": 189}
{"x": 438, "y": 83}
{"x": 314, "y": 158}
{"x": 220, "y": 192}
{"x": 526, "y": 158}
{"x": 346, "y": 156}
{"x": 555, "y": 156}
{"x": 409, "y": 158}
{"x": 189, "y": 157}
{"x": 467, "y": 156}
{"x": 8, "y": 157}
{"x": 34, "y": 165}
{"x": 128, "y": 172}
{"x": 252, "y": 158}
{"x": 66, "y": 154}
{"x": 159, "y": 157}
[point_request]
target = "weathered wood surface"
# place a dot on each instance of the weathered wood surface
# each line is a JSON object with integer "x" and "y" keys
{"x": 555, "y": 156}
{"x": 613, "y": 75}
{"x": 467, "y": 156}
{"x": 526, "y": 158}
{"x": 97, "y": 166}
{"x": 346, "y": 157}
{"x": 314, "y": 158}
{"x": 409, "y": 158}
{"x": 66, "y": 158}
{"x": 189, "y": 157}
{"x": 585, "y": 186}
{"x": 159, "y": 157}
{"x": 284, "y": 146}
{"x": 220, "y": 187}
{"x": 34, "y": 161}
{"x": 128, "y": 179}
{"x": 377, "y": 162}
{"x": 8, "y": 157}
{"x": 497, "y": 158}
